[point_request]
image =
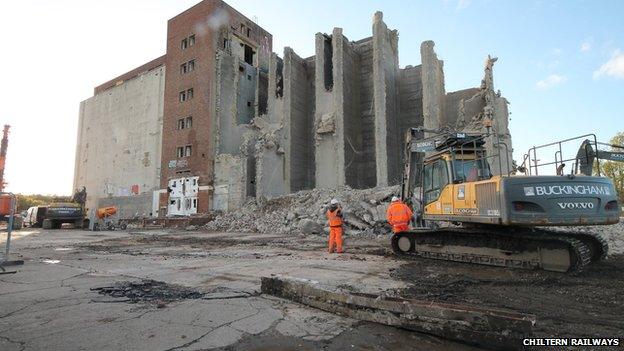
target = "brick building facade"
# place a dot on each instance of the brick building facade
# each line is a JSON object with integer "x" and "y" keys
{"x": 188, "y": 149}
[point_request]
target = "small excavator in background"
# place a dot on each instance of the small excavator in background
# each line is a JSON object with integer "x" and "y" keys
{"x": 467, "y": 214}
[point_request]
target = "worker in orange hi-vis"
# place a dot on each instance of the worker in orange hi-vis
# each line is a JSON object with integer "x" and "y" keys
{"x": 334, "y": 216}
{"x": 399, "y": 215}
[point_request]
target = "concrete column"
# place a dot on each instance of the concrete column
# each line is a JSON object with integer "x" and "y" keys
{"x": 329, "y": 141}
{"x": 433, "y": 87}
{"x": 385, "y": 72}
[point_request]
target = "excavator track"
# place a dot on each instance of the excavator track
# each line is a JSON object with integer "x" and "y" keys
{"x": 513, "y": 247}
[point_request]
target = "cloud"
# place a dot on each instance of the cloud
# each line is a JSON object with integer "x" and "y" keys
{"x": 613, "y": 68}
{"x": 586, "y": 46}
{"x": 550, "y": 81}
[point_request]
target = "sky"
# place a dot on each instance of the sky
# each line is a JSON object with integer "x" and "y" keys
{"x": 560, "y": 63}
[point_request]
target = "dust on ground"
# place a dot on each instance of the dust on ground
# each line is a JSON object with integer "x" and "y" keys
{"x": 586, "y": 304}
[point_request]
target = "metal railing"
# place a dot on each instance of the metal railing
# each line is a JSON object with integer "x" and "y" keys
{"x": 531, "y": 163}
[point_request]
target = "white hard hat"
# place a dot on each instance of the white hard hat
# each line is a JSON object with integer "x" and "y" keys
{"x": 334, "y": 202}
{"x": 395, "y": 199}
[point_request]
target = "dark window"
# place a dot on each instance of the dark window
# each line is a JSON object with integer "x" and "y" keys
{"x": 184, "y": 43}
{"x": 328, "y": 68}
{"x": 183, "y": 96}
{"x": 248, "y": 32}
{"x": 181, "y": 124}
{"x": 187, "y": 67}
{"x": 180, "y": 152}
{"x": 249, "y": 54}
{"x": 435, "y": 179}
{"x": 471, "y": 170}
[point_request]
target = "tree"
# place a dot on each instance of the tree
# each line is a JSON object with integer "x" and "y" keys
{"x": 26, "y": 201}
{"x": 614, "y": 169}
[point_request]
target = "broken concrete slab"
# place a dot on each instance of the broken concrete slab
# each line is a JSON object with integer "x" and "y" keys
{"x": 491, "y": 328}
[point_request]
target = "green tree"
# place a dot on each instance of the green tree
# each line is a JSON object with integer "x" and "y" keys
{"x": 26, "y": 201}
{"x": 614, "y": 169}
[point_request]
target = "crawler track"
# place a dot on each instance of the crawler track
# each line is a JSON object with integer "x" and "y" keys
{"x": 512, "y": 247}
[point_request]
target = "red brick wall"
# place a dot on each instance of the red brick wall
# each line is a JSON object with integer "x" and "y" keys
{"x": 203, "y": 201}
{"x": 196, "y": 21}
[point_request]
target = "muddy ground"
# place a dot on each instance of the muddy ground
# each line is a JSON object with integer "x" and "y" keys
{"x": 586, "y": 304}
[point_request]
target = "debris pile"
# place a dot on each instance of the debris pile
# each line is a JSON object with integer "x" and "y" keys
{"x": 611, "y": 233}
{"x": 149, "y": 291}
{"x": 304, "y": 212}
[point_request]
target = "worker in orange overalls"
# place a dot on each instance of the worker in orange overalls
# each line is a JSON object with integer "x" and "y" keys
{"x": 334, "y": 217}
{"x": 399, "y": 215}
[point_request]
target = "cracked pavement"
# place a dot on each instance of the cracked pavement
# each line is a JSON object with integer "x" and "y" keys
{"x": 49, "y": 303}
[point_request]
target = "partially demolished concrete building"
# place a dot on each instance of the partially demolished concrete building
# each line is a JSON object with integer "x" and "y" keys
{"x": 240, "y": 121}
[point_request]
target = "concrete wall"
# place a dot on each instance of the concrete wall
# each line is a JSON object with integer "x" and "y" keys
{"x": 270, "y": 150}
{"x": 410, "y": 110}
{"x": 350, "y": 81}
{"x": 139, "y": 206}
{"x": 367, "y": 162}
{"x": 230, "y": 182}
{"x": 235, "y": 135}
{"x": 457, "y": 109}
{"x": 299, "y": 112}
{"x": 119, "y": 138}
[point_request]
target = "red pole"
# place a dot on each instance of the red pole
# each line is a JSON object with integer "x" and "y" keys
{"x": 3, "y": 152}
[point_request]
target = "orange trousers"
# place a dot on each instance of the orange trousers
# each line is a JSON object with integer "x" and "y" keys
{"x": 335, "y": 239}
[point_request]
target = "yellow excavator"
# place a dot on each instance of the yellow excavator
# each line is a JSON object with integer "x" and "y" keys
{"x": 466, "y": 214}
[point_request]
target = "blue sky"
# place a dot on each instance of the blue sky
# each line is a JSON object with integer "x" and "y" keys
{"x": 550, "y": 58}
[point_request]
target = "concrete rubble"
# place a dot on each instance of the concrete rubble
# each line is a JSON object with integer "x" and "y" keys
{"x": 491, "y": 328}
{"x": 304, "y": 213}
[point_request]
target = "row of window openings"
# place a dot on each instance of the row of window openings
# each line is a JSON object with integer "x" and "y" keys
{"x": 185, "y": 123}
{"x": 186, "y": 95}
{"x": 184, "y": 151}
{"x": 188, "y": 42}
{"x": 178, "y": 203}
{"x": 187, "y": 67}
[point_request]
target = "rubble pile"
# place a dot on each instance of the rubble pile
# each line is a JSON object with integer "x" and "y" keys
{"x": 611, "y": 233}
{"x": 304, "y": 212}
